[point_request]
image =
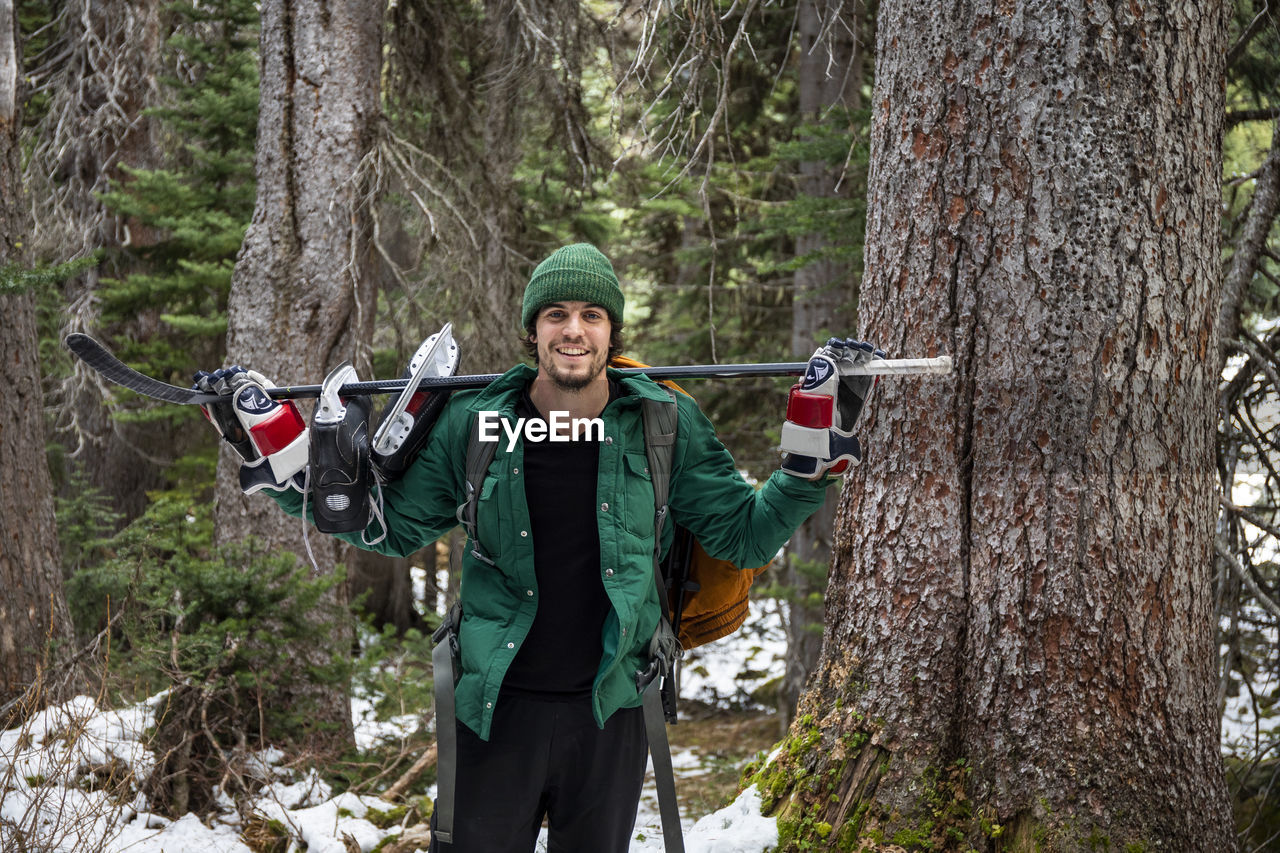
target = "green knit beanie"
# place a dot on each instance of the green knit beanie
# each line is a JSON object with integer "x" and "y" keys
{"x": 577, "y": 273}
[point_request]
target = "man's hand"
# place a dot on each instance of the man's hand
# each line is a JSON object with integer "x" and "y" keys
{"x": 817, "y": 437}
{"x": 269, "y": 435}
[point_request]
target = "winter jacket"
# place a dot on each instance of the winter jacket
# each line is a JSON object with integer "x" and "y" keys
{"x": 730, "y": 518}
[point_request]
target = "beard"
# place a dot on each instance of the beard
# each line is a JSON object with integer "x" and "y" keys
{"x": 574, "y": 381}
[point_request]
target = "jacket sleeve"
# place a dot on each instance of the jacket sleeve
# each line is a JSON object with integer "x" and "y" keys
{"x": 732, "y": 519}
{"x": 422, "y": 505}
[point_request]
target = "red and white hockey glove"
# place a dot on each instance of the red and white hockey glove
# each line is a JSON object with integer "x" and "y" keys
{"x": 269, "y": 435}
{"x": 822, "y": 409}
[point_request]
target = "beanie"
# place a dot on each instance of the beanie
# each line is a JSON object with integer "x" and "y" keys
{"x": 577, "y": 273}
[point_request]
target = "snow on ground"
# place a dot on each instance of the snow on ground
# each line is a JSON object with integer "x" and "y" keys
{"x": 48, "y": 769}
{"x": 45, "y": 767}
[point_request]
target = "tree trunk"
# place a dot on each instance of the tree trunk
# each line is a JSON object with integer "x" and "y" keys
{"x": 823, "y": 293}
{"x": 830, "y": 76}
{"x": 1019, "y": 650}
{"x": 384, "y": 588}
{"x": 301, "y": 297}
{"x": 35, "y": 628}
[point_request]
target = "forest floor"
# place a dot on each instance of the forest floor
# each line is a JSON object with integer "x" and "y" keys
{"x": 72, "y": 778}
{"x": 711, "y": 746}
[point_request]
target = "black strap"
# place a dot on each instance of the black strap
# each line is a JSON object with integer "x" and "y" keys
{"x": 661, "y": 418}
{"x": 479, "y": 455}
{"x": 443, "y": 659}
{"x": 655, "y": 726}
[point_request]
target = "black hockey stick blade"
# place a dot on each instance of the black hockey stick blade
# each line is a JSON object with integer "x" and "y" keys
{"x": 101, "y": 360}
{"x": 98, "y": 357}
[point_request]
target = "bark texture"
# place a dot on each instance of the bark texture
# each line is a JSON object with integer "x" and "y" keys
{"x": 1019, "y": 621}
{"x": 301, "y": 297}
{"x": 35, "y": 628}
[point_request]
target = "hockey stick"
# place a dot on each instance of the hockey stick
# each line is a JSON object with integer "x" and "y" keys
{"x": 100, "y": 359}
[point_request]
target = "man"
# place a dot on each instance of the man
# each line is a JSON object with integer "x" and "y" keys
{"x": 558, "y": 593}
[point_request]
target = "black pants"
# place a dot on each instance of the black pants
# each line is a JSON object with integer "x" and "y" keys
{"x": 548, "y": 759}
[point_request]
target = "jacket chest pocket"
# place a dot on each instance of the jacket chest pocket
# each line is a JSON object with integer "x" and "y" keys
{"x": 637, "y": 490}
{"x": 489, "y": 520}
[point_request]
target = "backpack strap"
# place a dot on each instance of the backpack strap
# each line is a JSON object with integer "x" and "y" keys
{"x": 444, "y": 665}
{"x": 444, "y": 655}
{"x": 661, "y": 418}
{"x": 479, "y": 455}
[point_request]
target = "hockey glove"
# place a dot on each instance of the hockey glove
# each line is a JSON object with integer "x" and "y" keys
{"x": 817, "y": 437}
{"x": 269, "y": 435}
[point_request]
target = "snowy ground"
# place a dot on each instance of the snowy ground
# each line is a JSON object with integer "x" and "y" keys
{"x": 57, "y": 774}
{"x": 52, "y": 774}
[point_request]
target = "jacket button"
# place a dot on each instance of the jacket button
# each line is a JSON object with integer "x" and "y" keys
{"x": 524, "y": 533}
{"x": 604, "y": 507}
{"x": 608, "y": 439}
{"x": 528, "y": 592}
{"x": 608, "y": 573}
{"x": 488, "y": 704}
{"x": 511, "y": 645}
{"x": 515, "y": 470}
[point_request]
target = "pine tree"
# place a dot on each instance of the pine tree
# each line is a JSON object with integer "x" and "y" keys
{"x": 199, "y": 205}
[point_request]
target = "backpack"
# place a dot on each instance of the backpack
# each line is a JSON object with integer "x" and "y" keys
{"x": 707, "y": 598}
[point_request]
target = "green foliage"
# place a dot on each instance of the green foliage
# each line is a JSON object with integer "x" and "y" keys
{"x": 1253, "y": 787}
{"x": 396, "y": 672}
{"x": 1251, "y": 92}
{"x": 1246, "y": 443}
{"x": 193, "y": 612}
{"x": 712, "y": 256}
{"x": 188, "y": 218}
{"x": 85, "y": 519}
{"x": 1255, "y": 67}
{"x": 17, "y": 278}
{"x": 218, "y": 628}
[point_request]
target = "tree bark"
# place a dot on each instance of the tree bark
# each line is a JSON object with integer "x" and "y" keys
{"x": 301, "y": 296}
{"x": 35, "y": 627}
{"x": 1019, "y": 650}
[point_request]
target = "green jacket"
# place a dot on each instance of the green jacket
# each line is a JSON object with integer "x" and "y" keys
{"x": 731, "y": 519}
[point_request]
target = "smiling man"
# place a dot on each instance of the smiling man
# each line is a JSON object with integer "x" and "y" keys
{"x": 558, "y": 597}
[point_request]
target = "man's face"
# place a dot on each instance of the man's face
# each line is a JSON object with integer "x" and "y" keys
{"x": 573, "y": 343}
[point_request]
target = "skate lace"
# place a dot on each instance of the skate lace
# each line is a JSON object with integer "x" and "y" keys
{"x": 306, "y": 490}
{"x": 375, "y": 509}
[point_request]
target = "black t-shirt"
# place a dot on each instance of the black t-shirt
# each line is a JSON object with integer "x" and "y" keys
{"x": 562, "y": 652}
